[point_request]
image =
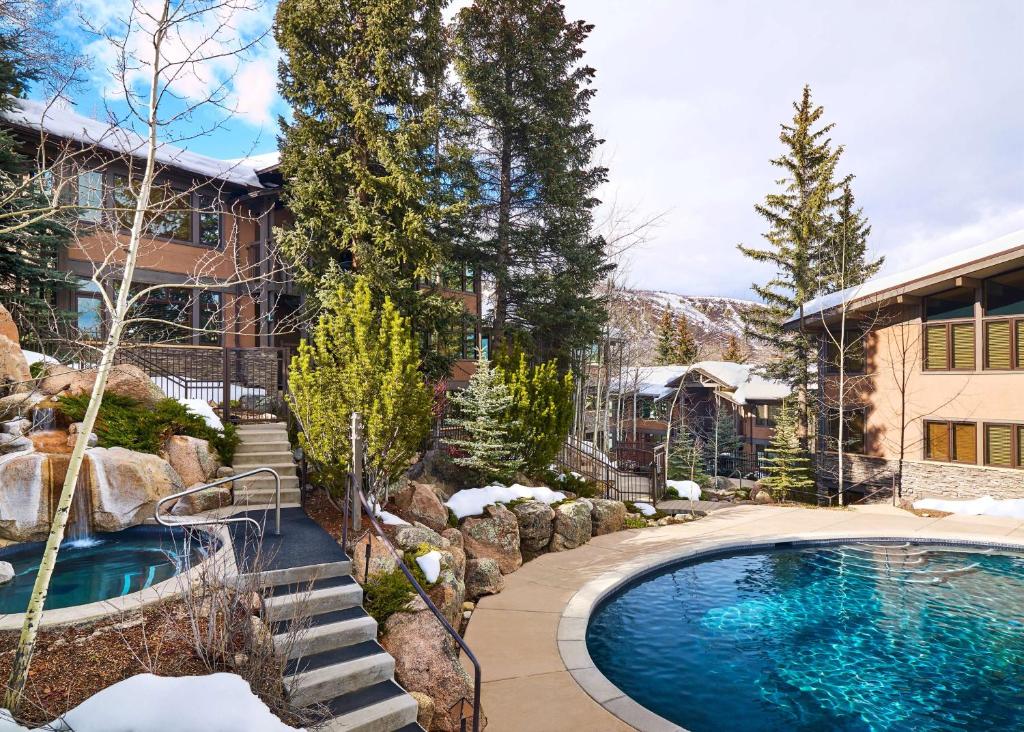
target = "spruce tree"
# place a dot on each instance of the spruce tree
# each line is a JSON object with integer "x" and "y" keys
{"x": 686, "y": 350}
{"x": 799, "y": 220}
{"x": 844, "y": 262}
{"x": 734, "y": 352}
{"x": 666, "y": 339}
{"x": 787, "y": 464}
{"x": 686, "y": 459}
{"x": 378, "y": 174}
{"x": 529, "y": 94}
{"x": 482, "y": 409}
{"x": 29, "y": 277}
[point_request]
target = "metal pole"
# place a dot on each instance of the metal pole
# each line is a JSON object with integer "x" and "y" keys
{"x": 226, "y": 397}
{"x": 357, "y": 469}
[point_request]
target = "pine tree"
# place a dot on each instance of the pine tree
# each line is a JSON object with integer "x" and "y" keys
{"x": 378, "y": 174}
{"x": 686, "y": 350}
{"x": 529, "y": 94}
{"x": 787, "y": 464}
{"x": 734, "y": 352}
{"x": 799, "y": 219}
{"x": 482, "y": 409}
{"x": 29, "y": 277}
{"x": 724, "y": 438}
{"x": 666, "y": 339}
{"x": 686, "y": 459}
{"x": 845, "y": 262}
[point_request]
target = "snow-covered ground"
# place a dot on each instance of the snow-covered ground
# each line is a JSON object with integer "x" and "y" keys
{"x": 176, "y": 388}
{"x": 984, "y": 506}
{"x": 202, "y": 408}
{"x": 471, "y": 501}
{"x": 645, "y": 508}
{"x": 148, "y": 703}
{"x": 685, "y": 488}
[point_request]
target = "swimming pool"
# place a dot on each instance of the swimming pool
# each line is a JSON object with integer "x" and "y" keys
{"x": 854, "y": 637}
{"x": 101, "y": 567}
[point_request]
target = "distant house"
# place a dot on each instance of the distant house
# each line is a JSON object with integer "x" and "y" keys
{"x": 936, "y": 392}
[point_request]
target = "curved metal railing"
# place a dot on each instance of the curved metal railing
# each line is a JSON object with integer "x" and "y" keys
{"x": 162, "y": 519}
{"x": 368, "y": 510}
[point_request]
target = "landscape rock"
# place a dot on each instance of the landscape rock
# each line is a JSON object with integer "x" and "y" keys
{"x": 6, "y": 572}
{"x": 14, "y": 372}
{"x": 409, "y": 538}
{"x": 449, "y": 592}
{"x": 573, "y": 526}
{"x": 17, "y": 404}
{"x": 763, "y": 496}
{"x": 7, "y": 327}
{"x": 125, "y": 486}
{"x": 493, "y": 535}
{"x": 454, "y": 536}
{"x": 92, "y": 441}
{"x": 425, "y": 709}
{"x": 225, "y": 472}
{"x": 427, "y": 661}
{"x": 607, "y": 516}
{"x": 124, "y": 380}
{"x": 381, "y": 560}
{"x": 206, "y": 500}
{"x": 18, "y": 426}
{"x": 418, "y": 502}
{"x": 191, "y": 458}
{"x": 483, "y": 577}
{"x": 25, "y": 482}
{"x": 535, "y": 519}
{"x": 14, "y": 443}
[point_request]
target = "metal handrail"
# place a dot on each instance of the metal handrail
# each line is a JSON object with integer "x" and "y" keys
{"x": 368, "y": 510}
{"x": 227, "y": 519}
{"x": 871, "y": 479}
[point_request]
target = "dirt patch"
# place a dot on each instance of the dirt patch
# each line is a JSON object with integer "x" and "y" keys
{"x": 321, "y": 509}
{"x": 928, "y": 512}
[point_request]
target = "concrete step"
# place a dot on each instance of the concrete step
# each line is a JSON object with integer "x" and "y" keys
{"x": 326, "y": 637}
{"x": 265, "y": 496}
{"x": 307, "y": 573}
{"x": 396, "y": 710}
{"x": 320, "y": 684}
{"x": 266, "y": 480}
{"x": 263, "y": 446}
{"x": 262, "y": 429}
{"x": 285, "y": 607}
{"x": 276, "y": 460}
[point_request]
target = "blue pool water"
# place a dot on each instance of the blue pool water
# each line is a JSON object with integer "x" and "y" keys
{"x": 839, "y": 638}
{"x": 105, "y": 566}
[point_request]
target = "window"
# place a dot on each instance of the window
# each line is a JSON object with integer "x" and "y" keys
{"x": 89, "y": 307}
{"x": 1002, "y": 445}
{"x": 853, "y": 430}
{"x": 211, "y": 318}
{"x": 457, "y": 276}
{"x": 89, "y": 187}
{"x": 163, "y": 315}
{"x": 950, "y": 305}
{"x": 854, "y": 353}
{"x": 1004, "y": 338}
{"x": 955, "y": 442}
{"x": 209, "y": 220}
{"x": 767, "y": 414}
{"x": 949, "y": 346}
{"x": 1004, "y": 295}
{"x": 458, "y": 342}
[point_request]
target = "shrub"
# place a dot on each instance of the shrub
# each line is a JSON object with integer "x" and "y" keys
{"x": 385, "y": 594}
{"x": 636, "y": 522}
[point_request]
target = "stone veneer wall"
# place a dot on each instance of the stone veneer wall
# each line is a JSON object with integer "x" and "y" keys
{"x": 925, "y": 479}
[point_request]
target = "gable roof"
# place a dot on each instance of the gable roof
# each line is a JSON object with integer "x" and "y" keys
{"x": 70, "y": 125}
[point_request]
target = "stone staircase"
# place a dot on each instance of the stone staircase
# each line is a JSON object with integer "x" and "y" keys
{"x": 265, "y": 446}
{"x": 333, "y": 656}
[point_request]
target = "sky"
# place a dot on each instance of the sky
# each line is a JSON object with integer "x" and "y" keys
{"x": 927, "y": 97}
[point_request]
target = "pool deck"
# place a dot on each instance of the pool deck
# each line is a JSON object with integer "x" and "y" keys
{"x": 529, "y": 639}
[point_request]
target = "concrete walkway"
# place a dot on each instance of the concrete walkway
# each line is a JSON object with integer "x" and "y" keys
{"x": 528, "y": 685}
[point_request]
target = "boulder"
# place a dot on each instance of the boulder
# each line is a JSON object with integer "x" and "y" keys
{"x": 57, "y": 377}
{"x": 6, "y": 572}
{"x": 14, "y": 373}
{"x": 14, "y": 443}
{"x": 225, "y": 472}
{"x": 494, "y": 535}
{"x": 427, "y": 661}
{"x": 19, "y": 426}
{"x": 14, "y": 405}
{"x": 418, "y": 503}
{"x": 449, "y": 591}
{"x": 607, "y": 516}
{"x": 573, "y": 526}
{"x": 453, "y": 538}
{"x": 7, "y": 327}
{"x": 425, "y": 709}
{"x": 125, "y": 486}
{"x": 124, "y": 380}
{"x": 483, "y": 577}
{"x": 25, "y": 482}
{"x": 535, "y": 520}
{"x": 409, "y": 538}
{"x": 92, "y": 440}
{"x": 191, "y": 458}
{"x": 381, "y": 559}
{"x": 206, "y": 500}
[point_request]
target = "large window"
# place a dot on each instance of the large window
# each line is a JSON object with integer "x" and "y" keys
{"x": 89, "y": 307}
{"x": 1004, "y": 336}
{"x": 211, "y": 317}
{"x": 176, "y": 214}
{"x": 853, "y": 352}
{"x": 1004, "y": 445}
{"x": 458, "y": 276}
{"x": 951, "y": 442}
{"x": 949, "y": 346}
{"x": 162, "y": 315}
{"x": 89, "y": 196}
{"x": 853, "y": 430}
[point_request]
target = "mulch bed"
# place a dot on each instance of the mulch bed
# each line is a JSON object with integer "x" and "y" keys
{"x": 321, "y": 509}
{"x": 71, "y": 664}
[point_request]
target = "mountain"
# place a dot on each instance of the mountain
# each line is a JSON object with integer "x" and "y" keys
{"x": 713, "y": 320}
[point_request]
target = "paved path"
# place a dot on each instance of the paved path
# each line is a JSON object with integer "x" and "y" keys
{"x": 527, "y": 684}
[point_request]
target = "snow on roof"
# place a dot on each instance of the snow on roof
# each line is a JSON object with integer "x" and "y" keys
{"x": 747, "y": 385}
{"x": 68, "y": 124}
{"x": 963, "y": 258}
{"x": 261, "y": 161}
{"x": 652, "y": 381}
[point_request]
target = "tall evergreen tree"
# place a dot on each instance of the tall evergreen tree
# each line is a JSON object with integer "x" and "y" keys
{"x": 787, "y": 465}
{"x": 734, "y": 352}
{"x": 29, "y": 278}
{"x": 529, "y": 93}
{"x": 666, "y": 339}
{"x": 844, "y": 262}
{"x": 686, "y": 350}
{"x": 378, "y": 175}
{"x": 799, "y": 220}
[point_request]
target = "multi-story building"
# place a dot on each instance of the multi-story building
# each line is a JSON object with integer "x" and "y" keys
{"x": 933, "y": 386}
{"x": 208, "y": 254}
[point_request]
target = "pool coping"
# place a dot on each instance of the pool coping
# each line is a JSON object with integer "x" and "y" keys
{"x": 169, "y": 588}
{"x": 572, "y": 626}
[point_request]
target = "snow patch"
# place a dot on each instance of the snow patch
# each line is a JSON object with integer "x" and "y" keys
{"x": 471, "y": 501}
{"x": 202, "y": 408}
{"x": 685, "y": 489}
{"x": 148, "y": 703}
{"x": 430, "y": 563}
{"x": 35, "y": 357}
{"x": 984, "y": 506}
{"x": 645, "y": 508}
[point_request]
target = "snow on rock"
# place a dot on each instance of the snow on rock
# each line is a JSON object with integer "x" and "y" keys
{"x": 147, "y": 703}
{"x": 430, "y": 563}
{"x": 645, "y": 508}
{"x": 685, "y": 489}
{"x": 202, "y": 408}
{"x": 386, "y": 517}
{"x": 471, "y": 501}
{"x": 33, "y": 357}
{"x": 984, "y": 506}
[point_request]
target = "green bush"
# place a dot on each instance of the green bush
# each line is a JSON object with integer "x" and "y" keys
{"x": 385, "y": 594}
{"x": 582, "y": 487}
{"x": 636, "y": 522}
{"x": 126, "y": 422}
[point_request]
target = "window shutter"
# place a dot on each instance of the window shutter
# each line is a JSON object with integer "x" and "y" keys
{"x": 937, "y": 441}
{"x": 999, "y": 445}
{"x": 1020, "y": 344}
{"x": 965, "y": 443}
{"x": 997, "y": 344}
{"x": 963, "y": 345}
{"x": 935, "y": 347}
{"x": 1020, "y": 446}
